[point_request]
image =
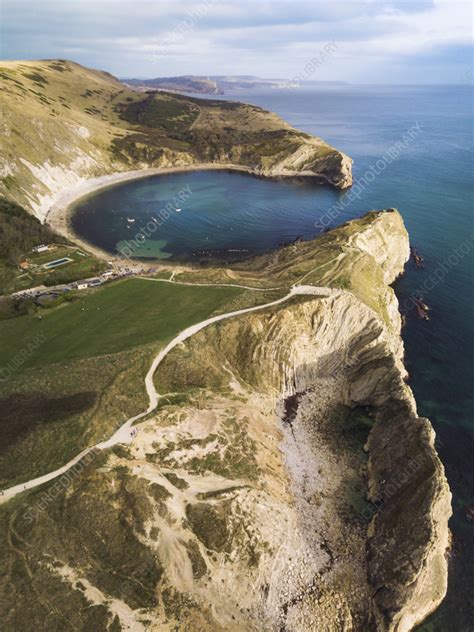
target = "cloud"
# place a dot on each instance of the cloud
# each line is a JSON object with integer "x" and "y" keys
{"x": 152, "y": 38}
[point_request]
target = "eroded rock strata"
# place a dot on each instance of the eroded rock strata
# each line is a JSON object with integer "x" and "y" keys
{"x": 242, "y": 502}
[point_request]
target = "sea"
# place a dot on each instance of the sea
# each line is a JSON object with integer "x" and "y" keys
{"x": 413, "y": 149}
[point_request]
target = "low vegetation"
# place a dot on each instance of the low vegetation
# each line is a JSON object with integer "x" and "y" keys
{"x": 161, "y": 111}
{"x": 105, "y": 540}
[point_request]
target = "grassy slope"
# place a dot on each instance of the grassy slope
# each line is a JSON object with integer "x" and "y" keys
{"x": 54, "y": 113}
{"x": 124, "y": 315}
{"x": 88, "y": 368}
{"x": 105, "y": 338}
{"x": 63, "y": 121}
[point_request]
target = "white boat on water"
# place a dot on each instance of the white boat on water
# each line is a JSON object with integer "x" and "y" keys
{"x": 130, "y": 220}
{"x": 178, "y": 210}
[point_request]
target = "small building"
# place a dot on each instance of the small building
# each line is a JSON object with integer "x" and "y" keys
{"x": 24, "y": 265}
{"x": 41, "y": 248}
{"x": 107, "y": 274}
{"x": 82, "y": 286}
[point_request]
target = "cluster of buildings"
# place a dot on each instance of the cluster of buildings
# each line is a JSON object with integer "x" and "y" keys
{"x": 53, "y": 291}
{"x": 95, "y": 281}
{"x": 43, "y": 291}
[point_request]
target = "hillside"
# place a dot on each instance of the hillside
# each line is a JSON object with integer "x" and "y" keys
{"x": 19, "y": 233}
{"x": 63, "y": 123}
{"x": 284, "y": 445}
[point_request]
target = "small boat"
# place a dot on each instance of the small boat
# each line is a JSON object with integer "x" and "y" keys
{"x": 130, "y": 220}
{"x": 421, "y": 309}
{"x": 178, "y": 210}
{"x": 422, "y": 304}
{"x": 421, "y": 313}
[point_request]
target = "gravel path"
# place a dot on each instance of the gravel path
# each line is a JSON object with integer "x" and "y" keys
{"x": 124, "y": 434}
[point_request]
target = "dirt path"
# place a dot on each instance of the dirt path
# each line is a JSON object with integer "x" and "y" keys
{"x": 196, "y": 120}
{"x": 124, "y": 434}
{"x": 243, "y": 287}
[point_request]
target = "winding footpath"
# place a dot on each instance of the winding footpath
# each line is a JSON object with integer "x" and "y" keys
{"x": 238, "y": 285}
{"x": 124, "y": 434}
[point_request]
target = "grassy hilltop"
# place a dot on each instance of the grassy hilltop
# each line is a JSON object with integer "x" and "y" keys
{"x": 63, "y": 123}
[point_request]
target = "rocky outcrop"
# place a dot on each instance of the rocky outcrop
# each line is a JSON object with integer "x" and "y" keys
{"x": 386, "y": 240}
{"x": 408, "y": 536}
{"x": 335, "y": 168}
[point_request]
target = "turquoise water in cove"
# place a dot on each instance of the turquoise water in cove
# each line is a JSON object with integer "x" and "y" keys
{"x": 222, "y": 215}
{"x": 227, "y": 216}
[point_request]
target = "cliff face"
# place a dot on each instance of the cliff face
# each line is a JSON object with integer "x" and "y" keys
{"x": 333, "y": 351}
{"x": 408, "y": 535}
{"x": 241, "y": 503}
{"x": 63, "y": 124}
{"x": 338, "y": 338}
{"x": 334, "y": 168}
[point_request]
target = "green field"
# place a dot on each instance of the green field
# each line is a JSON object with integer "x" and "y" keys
{"x": 121, "y": 316}
{"x": 85, "y": 377}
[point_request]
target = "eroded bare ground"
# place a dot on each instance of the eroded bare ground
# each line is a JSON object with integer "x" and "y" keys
{"x": 229, "y": 511}
{"x": 242, "y": 540}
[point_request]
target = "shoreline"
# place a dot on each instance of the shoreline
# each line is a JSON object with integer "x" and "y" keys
{"x": 59, "y": 214}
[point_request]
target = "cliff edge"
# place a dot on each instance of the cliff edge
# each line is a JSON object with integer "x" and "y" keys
{"x": 285, "y": 480}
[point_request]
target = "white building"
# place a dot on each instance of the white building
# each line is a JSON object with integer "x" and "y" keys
{"x": 41, "y": 248}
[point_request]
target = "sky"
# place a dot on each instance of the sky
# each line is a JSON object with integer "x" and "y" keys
{"x": 371, "y": 41}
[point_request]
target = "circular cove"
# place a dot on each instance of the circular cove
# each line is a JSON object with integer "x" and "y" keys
{"x": 202, "y": 216}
